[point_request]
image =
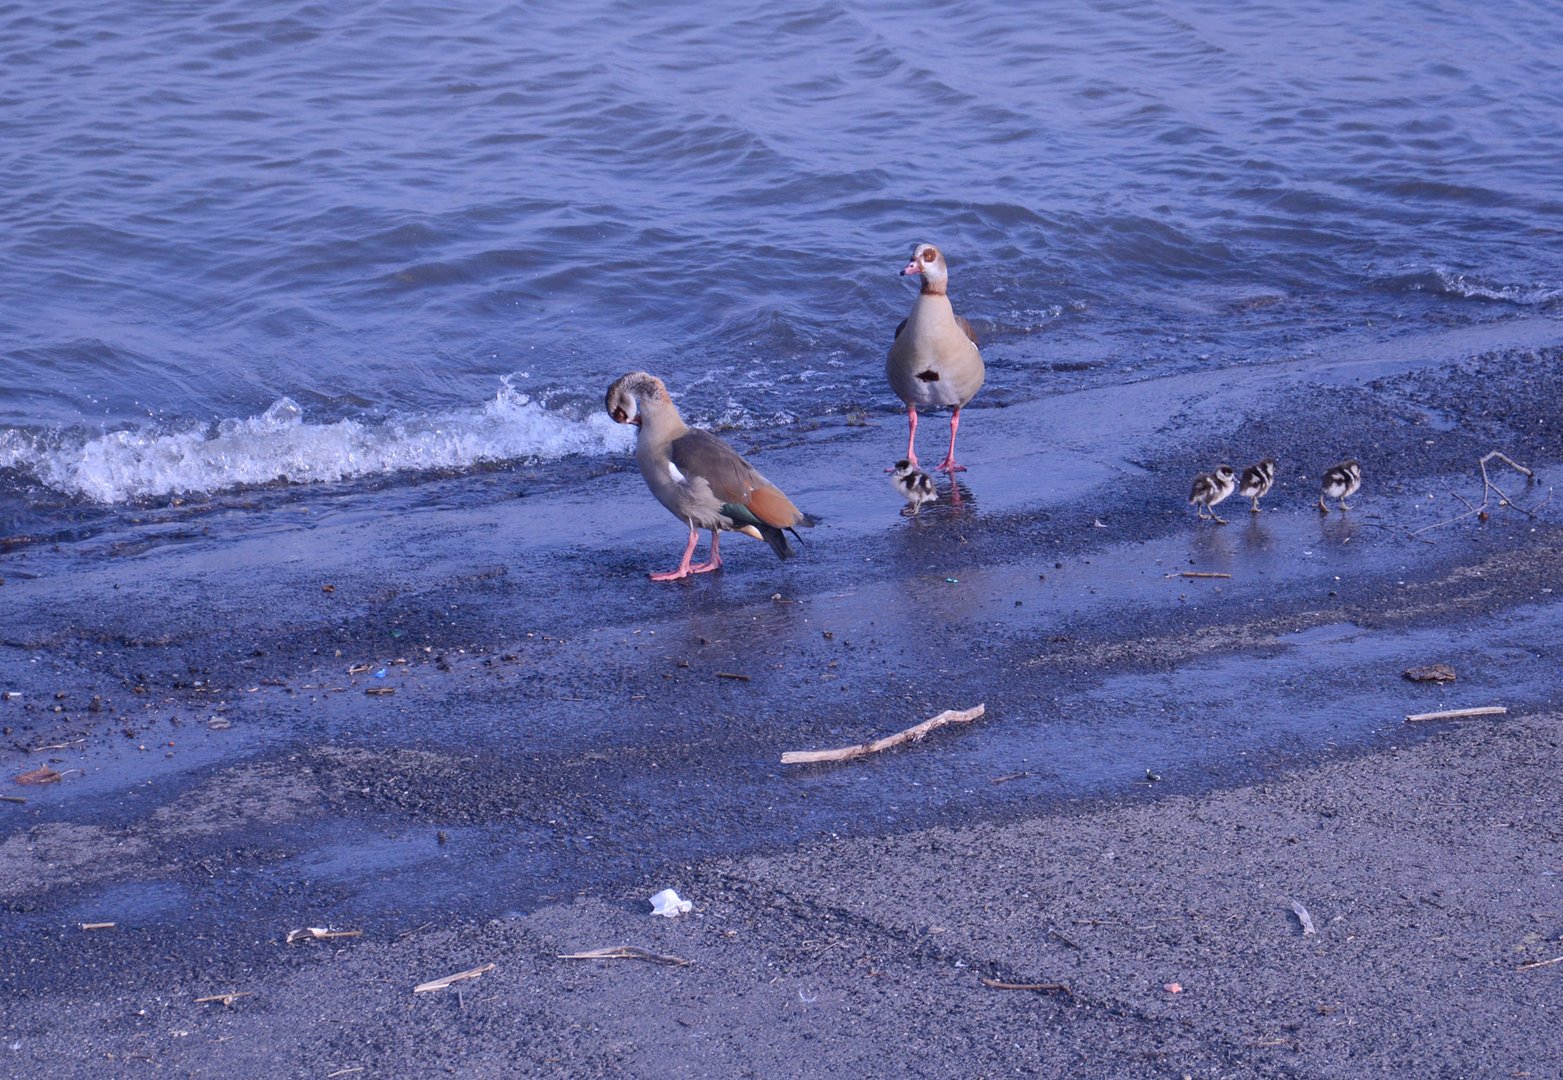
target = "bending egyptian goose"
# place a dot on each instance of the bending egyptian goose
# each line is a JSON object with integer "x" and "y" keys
{"x": 934, "y": 358}
{"x": 702, "y": 480}
{"x": 1340, "y": 481}
{"x": 1256, "y": 482}
{"x": 915, "y": 486}
{"x": 1211, "y": 488}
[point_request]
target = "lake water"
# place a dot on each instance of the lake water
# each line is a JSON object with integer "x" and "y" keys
{"x": 253, "y": 244}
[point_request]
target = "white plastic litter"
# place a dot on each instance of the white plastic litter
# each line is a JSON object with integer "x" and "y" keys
{"x": 667, "y": 903}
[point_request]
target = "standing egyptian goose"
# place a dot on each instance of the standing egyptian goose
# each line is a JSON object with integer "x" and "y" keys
{"x": 1210, "y": 488}
{"x": 934, "y": 358}
{"x": 703, "y": 481}
{"x": 1256, "y": 482}
{"x": 1340, "y": 481}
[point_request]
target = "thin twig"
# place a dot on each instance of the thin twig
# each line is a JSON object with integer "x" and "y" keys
{"x": 627, "y": 952}
{"x": 1009, "y": 776}
{"x": 1488, "y": 487}
{"x": 1046, "y": 988}
{"x": 1198, "y": 574}
{"x": 1510, "y": 462}
{"x": 1457, "y": 714}
{"x": 445, "y": 981}
{"x": 227, "y": 999}
{"x": 913, "y": 733}
{"x": 1539, "y": 964}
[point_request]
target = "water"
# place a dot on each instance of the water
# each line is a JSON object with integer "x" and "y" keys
{"x": 248, "y": 244}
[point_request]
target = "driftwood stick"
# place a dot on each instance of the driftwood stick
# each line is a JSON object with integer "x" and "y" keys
{"x": 1047, "y": 988}
{"x": 445, "y": 981}
{"x": 627, "y": 952}
{"x": 1540, "y": 964}
{"x": 1198, "y": 574}
{"x": 911, "y": 734}
{"x": 1457, "y": 714}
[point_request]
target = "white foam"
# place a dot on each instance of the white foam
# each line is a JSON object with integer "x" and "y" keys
{"x": 282, "y": 445}
{"x": 1470, "y": 287}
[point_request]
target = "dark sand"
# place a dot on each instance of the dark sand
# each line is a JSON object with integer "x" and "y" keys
{"x": 560, "y": 746}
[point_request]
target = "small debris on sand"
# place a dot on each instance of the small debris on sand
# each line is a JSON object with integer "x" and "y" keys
{"x": 319, "y": 933}
{"x": 911, "y": 734}
{"x": 1458, "y": 714}
{"x": 460, "y": 976}
{"x": 626, "y": 952}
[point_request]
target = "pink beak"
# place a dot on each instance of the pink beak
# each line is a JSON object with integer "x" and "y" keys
{"x": 913, "y": 267}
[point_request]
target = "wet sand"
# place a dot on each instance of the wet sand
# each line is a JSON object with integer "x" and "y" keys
{"x": 561, "y": 743}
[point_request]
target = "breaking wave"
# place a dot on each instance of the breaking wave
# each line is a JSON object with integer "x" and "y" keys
{"x": 1459, "y": 286}
{"x": 282, "y": 446}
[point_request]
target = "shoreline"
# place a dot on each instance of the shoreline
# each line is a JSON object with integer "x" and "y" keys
{"x": 560, "y": 740}
{"x": 1431, "y": 874}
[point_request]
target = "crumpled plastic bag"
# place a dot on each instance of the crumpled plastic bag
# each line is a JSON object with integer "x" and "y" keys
{"x": 668, "y": 903}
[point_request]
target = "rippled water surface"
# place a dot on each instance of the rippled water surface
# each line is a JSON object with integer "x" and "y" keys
{"x": 250, "y": 242}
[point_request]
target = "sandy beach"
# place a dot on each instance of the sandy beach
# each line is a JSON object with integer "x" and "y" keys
{"x": 474, "y": 732}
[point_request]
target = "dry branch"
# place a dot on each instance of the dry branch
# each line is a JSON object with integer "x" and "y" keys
{"x": 911, "y": 734}
{"x": 626, "y": 952}
{"x": 1488, "y": 487}
{"x": 460, "y": 976}
{"x": 1457, "y": 714}
{"x": 1198, "y": 574}
{"x": 97, "y": 925}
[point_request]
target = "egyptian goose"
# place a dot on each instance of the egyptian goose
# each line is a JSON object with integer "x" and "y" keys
{"x": 934, "y": 358}
{"x": 915, "y": 486}
{"x": 1256, "y": 482}
{"x": 702, "y": 480}
{"x": 1340, "y": 481}
{"x": 1211, "y": 488}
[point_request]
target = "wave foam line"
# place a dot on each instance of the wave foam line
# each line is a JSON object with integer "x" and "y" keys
{"x": 279, "y": 445}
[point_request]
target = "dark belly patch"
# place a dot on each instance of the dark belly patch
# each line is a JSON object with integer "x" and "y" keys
{"x": 928, "y": 376}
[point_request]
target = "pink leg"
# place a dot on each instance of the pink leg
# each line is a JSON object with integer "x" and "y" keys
{"x": 713, "y": 563}
{"x": 948, "y": 464}
{"x": 911, "y": 438}
{"x": 683, "y": 570}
